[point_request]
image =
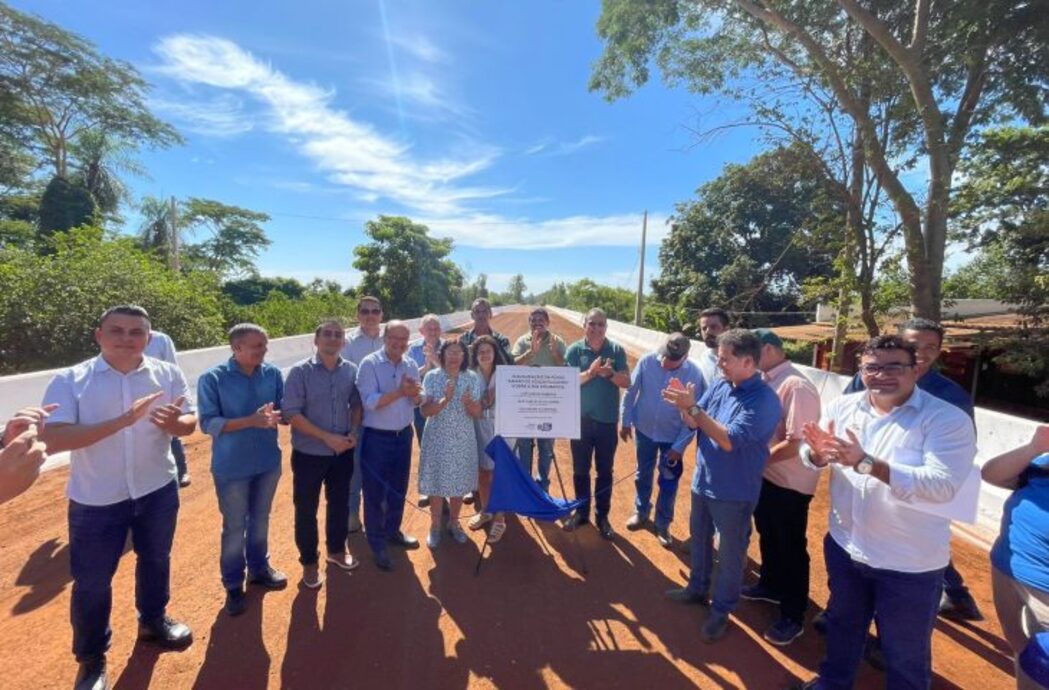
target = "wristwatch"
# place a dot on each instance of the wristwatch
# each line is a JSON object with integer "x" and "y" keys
{"x": 865, "y": 465}
{"x": 693, "y": 411}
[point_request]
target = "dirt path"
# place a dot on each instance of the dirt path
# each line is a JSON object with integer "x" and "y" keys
{"x": 532, "y": 619}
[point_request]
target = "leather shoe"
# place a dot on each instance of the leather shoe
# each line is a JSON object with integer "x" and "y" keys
{"x": 383, "y": 562}
{"x": 663, "y": 535}
{"x": 636, "y": 522}
{"x": 184, "y": 480}
{"x": 962, "y": 608}
{"x": 574, "y": 522}
{"x": 403, "y": 540}
{"x": 605, "y": 528}
{"x": 684, "y": 595}
{"x": 235, "y": 601}
{"x": 92, "y": 675}
{"x": 166, "y": 632}
{"x": 270, "y": 578}
{"x": 715, "y": 627}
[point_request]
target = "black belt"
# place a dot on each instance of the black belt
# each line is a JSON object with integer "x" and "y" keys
{"x": 387, "y": 432}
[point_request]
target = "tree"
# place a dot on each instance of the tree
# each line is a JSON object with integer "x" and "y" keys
{"x": 236, "y": 239}
{"x": 753, "y": 237}
{"x": 255, "y": 289}
{"x": 954, "y": 66}
{"x": 406, "y": 268}
{"x": 469, "y": 293}
{"x": 62, "y": 88}
{"x": 515, "y": 290}
{"x": 100, "y": 159}
{"x": 64, "y": 205}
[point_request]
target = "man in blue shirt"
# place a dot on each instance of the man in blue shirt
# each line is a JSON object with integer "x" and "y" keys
{"x": 927, "y": 337}
{"x": 388, "y": 383}
{"x": 660, "y": 430}
{"x": 238, "y": 403}
{"x": 735, "y": 419}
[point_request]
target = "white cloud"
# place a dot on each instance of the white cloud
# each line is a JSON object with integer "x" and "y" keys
{"x": 549, "y": 147}
{"x": 421, "y": 93}
{"x": 350, "y": 152}
{"x": 419, "y": 47}
{"x": 222, "y": 116}
{"x": 491, "y": 231}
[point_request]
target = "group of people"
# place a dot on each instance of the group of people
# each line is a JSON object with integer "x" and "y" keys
{"x": 900, "y": 439}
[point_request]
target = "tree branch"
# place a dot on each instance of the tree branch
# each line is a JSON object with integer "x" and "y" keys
{"x": 921, "y": 27}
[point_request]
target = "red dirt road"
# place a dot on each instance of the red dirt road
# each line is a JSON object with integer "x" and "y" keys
{"x": 532, "y": 618}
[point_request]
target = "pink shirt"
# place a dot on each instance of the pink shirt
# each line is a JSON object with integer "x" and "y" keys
{"x": 801, "y": 404}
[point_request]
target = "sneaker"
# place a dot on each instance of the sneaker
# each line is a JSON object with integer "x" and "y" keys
{"x": 783, "y": 632}
{"x": 311, "y": 576}
{"x": 665, "y": 540}
{"x": 346, "y": 561}
{"x": 961, "y": 608}
{"x": 759, "y": 592}
{"x": 270, "y": 578}
{"x": 478, "y": 521}
{"x": 684, "y": 595}
{"x": 92, "y": 675}
{"x": 424, "y": 501}
{"x": 235, "y": 601}
{"x": 715, "y": 627}
{"x": 636, "y": 522}
{"x": 468, "y": 499}
{"x": 457, "y": 533}
{"x": 433, "y": 539}
{"x": 354, "y": 524}
{"x": 405, "y": 541}
{"x": 819, "y": 622}
{"x": 184, "y": 480}
{"x": 496, "y": 532}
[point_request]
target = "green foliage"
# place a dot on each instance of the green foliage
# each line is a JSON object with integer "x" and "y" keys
{"x": 515, "y": 290}
{"x": 478, "y": 288}
{"x": 49, "y": 305}
{"x": 236, "y": 237}
{"x": 64, "y": 205}
{"x": 585, "y": 294}
{"x": 798, "y": 351}
{"x": 668, "y": 318}
{"x": 407, "y": 269}
{"x": 255, "y": 289}
{"x": 282, "y": 315}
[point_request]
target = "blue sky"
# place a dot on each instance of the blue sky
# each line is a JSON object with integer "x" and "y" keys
{"x": 471, "y": 117}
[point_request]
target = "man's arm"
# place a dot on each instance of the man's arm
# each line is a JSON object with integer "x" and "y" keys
{"x": 59, "y": 436}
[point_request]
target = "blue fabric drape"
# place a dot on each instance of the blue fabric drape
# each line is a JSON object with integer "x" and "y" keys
{"x": 514, "y": 491}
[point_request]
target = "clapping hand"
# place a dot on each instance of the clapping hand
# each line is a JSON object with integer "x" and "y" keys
{"x": 431, "y": 356}
{"x": 681, "y": 397}
{"x": 24, "y": 418}
{"x": 266, "y": 417}
{"x": 166, "y": 416}
{"x": 409, "y": 387}
{"x": 473, "y": 407}
{"x": 139, "y": 408}
{"x": 449, "y": 391}
{"x": 831, "y": 448}
{"x": 20, "y": 462}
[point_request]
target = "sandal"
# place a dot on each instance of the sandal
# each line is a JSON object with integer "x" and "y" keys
{"x": 479, "y": 520}
{"x": 496, "y": 532}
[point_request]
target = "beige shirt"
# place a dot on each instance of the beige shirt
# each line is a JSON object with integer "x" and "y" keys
{"x": 801, "y": 404}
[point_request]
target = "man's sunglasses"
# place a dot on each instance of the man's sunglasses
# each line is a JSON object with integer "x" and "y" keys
{"x": 369, "y": 312}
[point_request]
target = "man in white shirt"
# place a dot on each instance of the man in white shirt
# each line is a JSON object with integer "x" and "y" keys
{"x": 712, "y": 323}
{"x": 117, "y": 413}
{"x": 893, "y": 451}
{"x": 162, "y": 347}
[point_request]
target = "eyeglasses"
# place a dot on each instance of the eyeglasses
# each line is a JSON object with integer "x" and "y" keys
{"x": 596, "y": 324}
{"x": 370, "y": 312}
{"x": 887, "y": 369}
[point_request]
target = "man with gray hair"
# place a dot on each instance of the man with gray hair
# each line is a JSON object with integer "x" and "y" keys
{"x": 239, "y": 404}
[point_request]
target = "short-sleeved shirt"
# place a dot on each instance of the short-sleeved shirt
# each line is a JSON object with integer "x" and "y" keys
{"x": 359, "y": 345}
{"x": 324, "y": 396}
{"x": 225, "y": 392}
{"x": 471, "y": 335}
{"x": 801, "y": 404}
{"x": 160, "y": 346}
{"x": 134, "y": 461}
{"x": 1022, "y": 548}
{"x": 543, "y": 358}
{"x": 599, "y": 397}
{"x": 750, "y": 411}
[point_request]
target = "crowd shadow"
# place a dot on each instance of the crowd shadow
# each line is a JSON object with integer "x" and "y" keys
{"x": 45, "y": 573}
{"x": 236, "y": 656}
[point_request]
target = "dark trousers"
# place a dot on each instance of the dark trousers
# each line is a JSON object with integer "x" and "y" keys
{"x": 385, "y": 464}
{"x": 419, "y": 424}
{"x": 97, "y": 535}
{"x": 309, "y": 473}
{"x": 905, "y": 606}
{"x": 179, "y": 452}
{"x": 782, "y": 518}
{"x": 597, "y": 441}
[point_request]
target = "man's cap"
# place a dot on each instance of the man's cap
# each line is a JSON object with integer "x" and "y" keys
{"x": 767, "y": 337}
{"x": 676, "y": 346}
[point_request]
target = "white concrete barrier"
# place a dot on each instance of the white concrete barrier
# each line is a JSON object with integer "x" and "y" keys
{"x": 996, "y": 432}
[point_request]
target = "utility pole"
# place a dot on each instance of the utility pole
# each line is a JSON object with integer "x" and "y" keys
{"x": 176, "y": 264}
{"x": 641, "y": 273}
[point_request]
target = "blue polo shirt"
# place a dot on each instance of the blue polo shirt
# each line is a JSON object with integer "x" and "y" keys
{"x": 935, "y": 384}
{"x": 1022, "y": 548}
{"x": 225, "y": 392}
{"x": 750, "y": 411}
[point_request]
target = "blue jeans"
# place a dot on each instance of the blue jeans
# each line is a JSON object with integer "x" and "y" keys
{"x": 97, "y": 535}
{"x": 356, "y": 479}
{"x": 905, "y": 605}
{"x": 546, "y": 458}
{"x": 668, "y": 479}
{"x": 245, "y": 507}
{"x": 385, "y": 463}
{"x": 731, "y": 519}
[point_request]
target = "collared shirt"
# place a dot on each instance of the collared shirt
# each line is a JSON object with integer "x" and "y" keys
{"x": 750, "y": 413}
{"x": 359, "y": 345}
{"x": 417, "y": 353}
{"x": 930, "y": 446}
{"x": 801, "y": 404}
{"x": 225, "y": 392}
{"x": 643, "y": 405}
{"x": 598, "y": 397}
{"x": 543, "y": 358}
{"x": 323, "y": 396}
{"x": 471, "y": 335}
{"x": 934, "y": 383}
{"x": 376, "y": 377}
{"x": 161, "y": 347}
{"x": 708, "y": 364}
{"x": 132, "y": 462}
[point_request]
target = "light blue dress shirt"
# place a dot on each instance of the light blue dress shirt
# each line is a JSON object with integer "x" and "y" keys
{"x": 643, "y": 405}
